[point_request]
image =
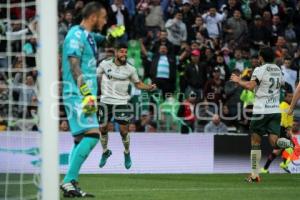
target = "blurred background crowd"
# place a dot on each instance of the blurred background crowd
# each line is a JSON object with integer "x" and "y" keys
{"x": 189, "y": 48}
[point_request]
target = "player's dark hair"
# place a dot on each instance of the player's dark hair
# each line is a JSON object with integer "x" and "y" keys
{"x": 267, "y": 54}
{"x": 120, "y": 45}
{"x": 91, "y": 8}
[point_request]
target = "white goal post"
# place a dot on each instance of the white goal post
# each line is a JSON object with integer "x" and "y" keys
{"x": 48, "y": 55}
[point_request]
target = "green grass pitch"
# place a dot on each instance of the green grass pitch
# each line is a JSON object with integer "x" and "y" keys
{"x": 168, "y": 187}
{"x": 190, "y": 187}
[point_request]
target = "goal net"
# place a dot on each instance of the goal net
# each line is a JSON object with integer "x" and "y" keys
{"x": 28, "y": 77}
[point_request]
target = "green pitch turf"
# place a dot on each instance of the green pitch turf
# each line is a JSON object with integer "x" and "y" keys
{"x": 168, "y": 187}
{"x": 191, "y": 187}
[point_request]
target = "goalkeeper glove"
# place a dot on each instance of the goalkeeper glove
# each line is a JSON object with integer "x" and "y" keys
{"x": 89, "y": 101}
{"x": 115, "y": 32}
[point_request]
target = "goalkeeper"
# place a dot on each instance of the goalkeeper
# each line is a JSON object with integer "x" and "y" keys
{"x": 80, "y": 89}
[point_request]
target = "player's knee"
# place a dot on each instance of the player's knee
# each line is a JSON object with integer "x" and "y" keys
{"x": 273, "y": 144}
{"x": 123, "y": 134}
{"x": 255, "y": 139}
{"x": 103, "y": 130}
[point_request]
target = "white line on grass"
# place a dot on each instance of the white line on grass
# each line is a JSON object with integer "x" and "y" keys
{"x": 193, "y": 189}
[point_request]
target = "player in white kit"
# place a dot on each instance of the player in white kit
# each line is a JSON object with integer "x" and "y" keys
{"x": 266, "y": 81}
{"x": 116, "y": 74}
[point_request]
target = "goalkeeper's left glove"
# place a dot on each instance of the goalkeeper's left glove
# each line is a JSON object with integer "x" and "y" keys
{"x": 89, "y": 101}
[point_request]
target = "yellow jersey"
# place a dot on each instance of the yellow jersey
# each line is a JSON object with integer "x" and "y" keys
{"x": 286, "y": 120}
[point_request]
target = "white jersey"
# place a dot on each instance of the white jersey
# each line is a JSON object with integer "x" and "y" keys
{"x": 115, "y": 81}
{"x": 267, "y": 92}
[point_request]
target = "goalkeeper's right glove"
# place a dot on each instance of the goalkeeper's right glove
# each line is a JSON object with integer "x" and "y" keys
{"x": 89, "y": 101}
{"x": 114, "y": 32}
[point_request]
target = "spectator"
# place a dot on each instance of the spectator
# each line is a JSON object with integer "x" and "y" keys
{"x": 258, "y": 34}
{"x": 174, "y": 7}
{"x": 195, "y": 75}
{"x": 238, "y": 62}
{"x": 27, "y": 92}
{"x": 132, "y": 127}
{"x": 224, "y": 69}
{"x": 215, "y": 126}
{"x": 289, "y": 75}
{"x": 163, "y": 70}
{"x": 187, "y": 112}
{"x": 65, "y": 23}
{"x": 275, "y": 9}
{"x": 214, "y": 90}
{"x": 188, "y": 18}
{"x": 155, "y": 18}
{"x": 213, "y": 21}
{"x": 199, "y": 7}
{"x": 163, "y": 40}
{"x": 231, "y": 7}
{"x": 3, "y": 124}
{"x": 119, "y": 16}
{"x": 77, "y": 11}
{"x": 4, "y": 97}
{"x": 139, "y": 20}
{"x": 151, "y": 127}
{"x": 29, "y": 49}
{"x": 200, "y": 27}
{"x": 233, "y": 92}
{"x": 143, "y": 121}
{"x": 236, "y": 28}
{"x": 110, "y": 127}
{"x": 64, "y": 126}
{"x": 177, "y": 31}
{"x": 277, "y": 28}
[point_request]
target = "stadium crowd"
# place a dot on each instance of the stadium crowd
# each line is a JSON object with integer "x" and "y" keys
{"x": 189, "y": 48}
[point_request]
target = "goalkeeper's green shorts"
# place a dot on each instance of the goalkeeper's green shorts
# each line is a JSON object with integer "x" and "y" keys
{"x": 78, "y": 121}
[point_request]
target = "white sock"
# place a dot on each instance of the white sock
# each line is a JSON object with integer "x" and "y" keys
{"x": 255, "y": 160}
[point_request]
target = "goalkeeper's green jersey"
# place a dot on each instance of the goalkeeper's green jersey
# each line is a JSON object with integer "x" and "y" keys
{"x": 81, "y": 44}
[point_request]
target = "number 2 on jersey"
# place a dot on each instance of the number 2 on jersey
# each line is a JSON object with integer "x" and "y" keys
{"x": 273, "y": 82}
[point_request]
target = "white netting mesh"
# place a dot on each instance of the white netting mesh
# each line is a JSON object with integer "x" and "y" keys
{"x": 19, "y": 138}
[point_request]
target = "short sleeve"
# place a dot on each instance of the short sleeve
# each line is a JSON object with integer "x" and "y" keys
{"x": 257, "y": 75}
{"x": 100, "y": 69}
{"x": 75, "y": 45}
{"x": 134, "y": 76}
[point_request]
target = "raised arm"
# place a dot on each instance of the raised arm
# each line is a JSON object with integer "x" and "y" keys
{"x": 249, "y": 85}
{"x": 294, "y": 100}
{"x": 142, "y": 86}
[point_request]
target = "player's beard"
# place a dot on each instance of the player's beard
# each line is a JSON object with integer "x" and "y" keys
{"x": 122, "y": 61}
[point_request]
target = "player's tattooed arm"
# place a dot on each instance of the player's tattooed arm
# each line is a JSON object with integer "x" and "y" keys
{"x": 76, "y": 71}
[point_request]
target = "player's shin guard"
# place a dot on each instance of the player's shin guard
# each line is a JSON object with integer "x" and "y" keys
{"x": 284, "y": 143}
{"x": 80, "y": 154}
{"x": 255, "y": 160}
{"x": 104, "y": 140}
{"x": 126, "y": 141}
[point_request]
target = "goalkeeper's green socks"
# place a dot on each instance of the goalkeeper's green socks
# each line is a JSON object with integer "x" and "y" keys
{"x": 80, "y": 154}
{"x": 71, "y": 155}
